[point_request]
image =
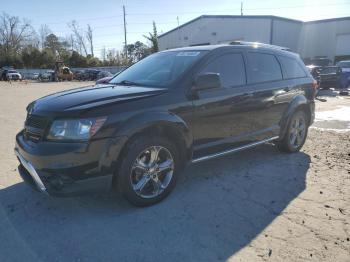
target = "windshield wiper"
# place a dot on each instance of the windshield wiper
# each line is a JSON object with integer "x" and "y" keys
{"x": 127, "y": 83}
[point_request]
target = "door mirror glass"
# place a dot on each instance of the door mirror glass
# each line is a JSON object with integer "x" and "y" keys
{"x": 207, "y": 81}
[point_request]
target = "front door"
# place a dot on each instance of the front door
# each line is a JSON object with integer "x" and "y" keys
{"x": 223, "y": 116}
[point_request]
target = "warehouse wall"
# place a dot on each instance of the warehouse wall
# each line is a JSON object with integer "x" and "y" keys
{"x": 286, "y": 33}
{"x": 217, "y": 30}
{"x": 320, "y": 38}
{"x": 328, "y": 38}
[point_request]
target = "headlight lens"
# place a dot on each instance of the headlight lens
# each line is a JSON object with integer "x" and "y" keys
{"x": 75, "y": 129}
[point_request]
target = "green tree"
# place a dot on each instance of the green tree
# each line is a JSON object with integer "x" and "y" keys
{"x": 77, "y": 60}
{"x": 52, "y": 42}
{"x": 31, "y": 57}
{"x": 137, "y": 51}
{"x": 153, "y": 38}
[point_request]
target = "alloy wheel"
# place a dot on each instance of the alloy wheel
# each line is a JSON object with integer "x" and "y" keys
{"x": 152, "y": 172}
{"x": 297, "y": 131}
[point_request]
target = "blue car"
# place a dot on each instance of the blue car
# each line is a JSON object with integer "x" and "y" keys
{"x": 344, "y": 81}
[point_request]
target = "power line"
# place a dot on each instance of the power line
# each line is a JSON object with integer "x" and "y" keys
{"x": 226, "y": 11}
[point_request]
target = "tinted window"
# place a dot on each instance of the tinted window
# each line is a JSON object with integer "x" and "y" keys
{"x": 263, "y": 67}
{"x": 291, "y": 68}
{"x": 231, "y": 69}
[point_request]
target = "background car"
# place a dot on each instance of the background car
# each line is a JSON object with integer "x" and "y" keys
{"x": 13, "y": 75}
{"x": 47, "y": 76}
{"x": 78, "y": 74}
{"x": 345, "y": 74}
{"x": 91, "y": 74}
{"x": 104, "y": 74}
{"x": 35, "y": 76}
{"x": 329, "y": 76}
{"x": 4, "y": 71}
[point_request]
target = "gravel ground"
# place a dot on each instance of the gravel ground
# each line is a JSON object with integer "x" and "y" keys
{"x": 257, "y": 205}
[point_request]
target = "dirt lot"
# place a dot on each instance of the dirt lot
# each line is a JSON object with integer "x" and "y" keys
{"x": 258, "y": 205}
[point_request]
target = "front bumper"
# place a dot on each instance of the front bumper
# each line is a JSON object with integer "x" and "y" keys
{"x": 67, "y": 168}
{"x": 31, "y": 171}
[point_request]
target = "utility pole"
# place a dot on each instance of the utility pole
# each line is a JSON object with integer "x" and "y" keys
{"x": 241, "y": 8}
{"x": 125, "y": 43}
{"x": 178, "y": 30}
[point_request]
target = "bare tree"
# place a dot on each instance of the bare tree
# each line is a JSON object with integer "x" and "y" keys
{"x": 89, "y": 38}
{"x": 103, "y": 53}
{"x": 44, "y": 31}
{"x": 13, "y": 33}
{"x": 79, "y": 37}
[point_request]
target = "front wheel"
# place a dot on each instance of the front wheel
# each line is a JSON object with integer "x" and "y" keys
{"x": 296, "y": 133}
{"x": 148, "y": 170}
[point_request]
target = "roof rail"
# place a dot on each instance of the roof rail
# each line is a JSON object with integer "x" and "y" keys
{"x": 257, "y": 44}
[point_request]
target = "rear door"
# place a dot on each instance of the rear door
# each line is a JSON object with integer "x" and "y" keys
{"x": 272, "y": 93}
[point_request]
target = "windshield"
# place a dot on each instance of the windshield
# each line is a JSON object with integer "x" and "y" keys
{"x": 159, "y": 69}
{"x": 344, "y": 64}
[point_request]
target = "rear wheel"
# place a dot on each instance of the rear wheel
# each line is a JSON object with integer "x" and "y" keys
{"x": 148, "y": 170}
{"x": 296, "y": 133}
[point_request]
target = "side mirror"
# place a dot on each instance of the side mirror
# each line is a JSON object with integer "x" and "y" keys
{"x": 207, "y": 81}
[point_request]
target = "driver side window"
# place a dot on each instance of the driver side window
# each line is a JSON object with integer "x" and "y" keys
{"x": 230, "y": 67}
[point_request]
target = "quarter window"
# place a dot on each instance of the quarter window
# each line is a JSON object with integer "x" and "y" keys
{"x": 291, "y": 68}
{"x": 263, "y": 67}
{"x": 231, "y": 69}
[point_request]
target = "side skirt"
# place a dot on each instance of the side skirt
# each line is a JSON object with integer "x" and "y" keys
{"x": 233, "y": 150}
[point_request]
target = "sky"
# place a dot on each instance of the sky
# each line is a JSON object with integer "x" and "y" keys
{"x": 106, "y": 16}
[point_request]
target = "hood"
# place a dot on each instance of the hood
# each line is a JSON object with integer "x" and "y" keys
{"x": 90, "y": 97}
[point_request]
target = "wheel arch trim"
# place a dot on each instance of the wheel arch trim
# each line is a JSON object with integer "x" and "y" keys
{"x": 298, "y": 102}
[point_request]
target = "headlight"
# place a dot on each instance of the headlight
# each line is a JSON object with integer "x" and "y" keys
{"x": 75, "y": 129}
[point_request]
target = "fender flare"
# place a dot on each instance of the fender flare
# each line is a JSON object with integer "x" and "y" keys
{"x": 296, "y": 103}
{"x": 152, "y": 118}
{"x": 138, "y": 123}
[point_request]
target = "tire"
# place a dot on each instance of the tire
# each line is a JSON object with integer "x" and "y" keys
{"x": 137, "y": 182}
{"x": 286, "y": 143}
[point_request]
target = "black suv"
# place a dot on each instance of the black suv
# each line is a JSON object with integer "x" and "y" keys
{"x": 174, "y": 107}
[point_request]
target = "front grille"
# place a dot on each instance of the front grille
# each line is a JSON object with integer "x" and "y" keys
{"x": 35, "y": 127}
{"x": 36, "y": 121}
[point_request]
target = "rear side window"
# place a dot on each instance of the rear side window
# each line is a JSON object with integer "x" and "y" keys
{"x": 263, "y": 68}
{"x": 291, "y": 68}
{"x": 231, "y": 69}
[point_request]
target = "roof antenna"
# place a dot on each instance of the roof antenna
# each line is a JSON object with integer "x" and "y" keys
{"x": 241, "y": 8}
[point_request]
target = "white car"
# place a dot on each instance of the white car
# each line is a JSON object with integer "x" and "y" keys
{"x": 13, "y": 75}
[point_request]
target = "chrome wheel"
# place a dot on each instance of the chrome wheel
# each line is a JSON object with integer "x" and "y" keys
{"x": 152, "y": 171}
{"x": 297, "y": 131}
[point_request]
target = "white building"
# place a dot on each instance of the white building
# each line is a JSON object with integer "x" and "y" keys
{"x": 329, "y": 38}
